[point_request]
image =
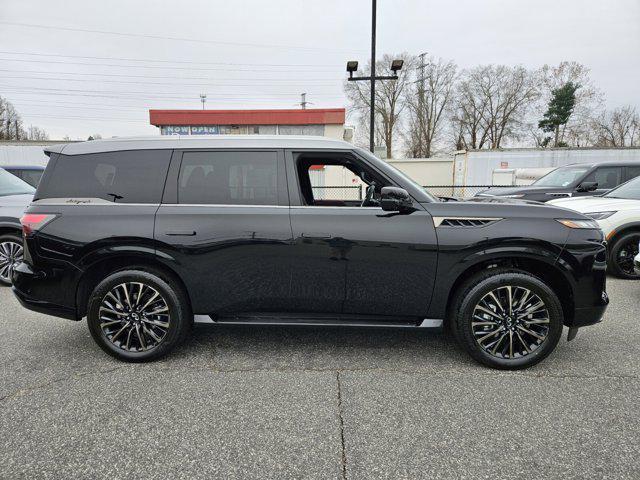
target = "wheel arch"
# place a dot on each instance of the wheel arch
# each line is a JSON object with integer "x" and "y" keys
{"x": 618, "y": 232}
{"x": 100, "y": 269}
{"x": 549, "y": 272}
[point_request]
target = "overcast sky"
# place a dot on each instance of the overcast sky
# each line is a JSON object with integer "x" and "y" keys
{"x": 64, "y": 75}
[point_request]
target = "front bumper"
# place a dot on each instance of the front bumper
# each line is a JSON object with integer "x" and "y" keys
{"x": 590, "y": 315}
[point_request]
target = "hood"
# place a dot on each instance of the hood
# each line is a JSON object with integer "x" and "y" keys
{"x": 521, "y": 189}
{"x": 596, "y": 204}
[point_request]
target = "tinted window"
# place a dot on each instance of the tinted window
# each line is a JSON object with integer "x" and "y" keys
{"x": 135, "y": 176}
{"x": 606, "y": 177}
{"x": 633, "y": 172}
{"x": 32, "y": 177}
{"x": 12, "y": 185}
{"x": 228, "y": 178}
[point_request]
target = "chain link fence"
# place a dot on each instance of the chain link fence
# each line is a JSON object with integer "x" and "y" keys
{"x": 334, "y": 192}
{"x": 356, "y": 192}
{"x": 466, "y": 191}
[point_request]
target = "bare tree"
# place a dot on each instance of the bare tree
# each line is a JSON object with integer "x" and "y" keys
{"x": 36, "y": 133}
{"x": 428, "y": 99}
{"x": 617, "y": 128}
{"x": 11, "y": 123}
{"x": 389, "y": 101}
{"x": 492, "y": 104}
{"x": 589, "y": 100}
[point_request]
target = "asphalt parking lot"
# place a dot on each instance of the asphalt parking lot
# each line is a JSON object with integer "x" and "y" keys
{"x": 240, "y": 402}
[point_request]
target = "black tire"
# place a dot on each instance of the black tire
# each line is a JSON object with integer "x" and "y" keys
{"x": 472, "y": 296}
{"x": 621, "y": 255}
{"x": 176, "y": 305}
{"x": 9, "y": 258}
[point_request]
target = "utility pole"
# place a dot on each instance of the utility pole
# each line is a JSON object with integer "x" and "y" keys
{"x": 352, "y": 66}
{"x": 372, "y": 113}
{"x": 203, "y": 98}
{"x": 303, "y": 101}
{"x": 421, "y": 119}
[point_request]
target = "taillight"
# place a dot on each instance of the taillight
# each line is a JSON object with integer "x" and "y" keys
{"x": 32, "y": 222}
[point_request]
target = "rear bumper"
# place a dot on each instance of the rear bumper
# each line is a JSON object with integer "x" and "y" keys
{"x": 26, "y": 282}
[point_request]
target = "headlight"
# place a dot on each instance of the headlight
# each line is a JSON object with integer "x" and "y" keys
{"x": 515, "y": 195}
{"x": 600, "y": 215}
{"x": 592, "y": 224}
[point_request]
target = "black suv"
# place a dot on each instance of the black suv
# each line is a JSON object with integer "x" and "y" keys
{"x": 138, "y": 235}
{"x": 571, "y": 181}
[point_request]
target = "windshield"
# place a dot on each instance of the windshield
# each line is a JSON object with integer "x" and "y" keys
{"x": 12, "y": 185}
{"x": 562, "y": 177}
{"x": 629, "y": 190}
{"x": 400, "y": 173}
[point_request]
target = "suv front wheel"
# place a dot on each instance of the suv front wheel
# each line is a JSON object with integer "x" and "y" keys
{"x": 137, "y": 316}
{"x": 507, "y": 319}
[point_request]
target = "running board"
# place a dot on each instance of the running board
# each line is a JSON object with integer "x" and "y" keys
{"x": 326, "y": 320}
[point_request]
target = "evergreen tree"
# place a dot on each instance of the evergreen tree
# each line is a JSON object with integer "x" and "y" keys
{"x": 560, "y": 109}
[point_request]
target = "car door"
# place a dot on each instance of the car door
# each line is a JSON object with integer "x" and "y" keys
{"x": 358, "y": 259}
{"x": 224, "y": 227}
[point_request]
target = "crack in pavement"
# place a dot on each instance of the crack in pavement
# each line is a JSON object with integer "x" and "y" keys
{"x": 341, "y": 418}
{"x": 25, "y": 391}
{"x": 213, "y": 369}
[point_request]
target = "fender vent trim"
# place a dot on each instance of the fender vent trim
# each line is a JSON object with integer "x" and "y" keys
{"x": 464, "y": 222}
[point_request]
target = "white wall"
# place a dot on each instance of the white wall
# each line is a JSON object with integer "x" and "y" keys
{"x": 426, "y": 171}
{"x": 12, "y": 153}
{"x": 476, "y": 167}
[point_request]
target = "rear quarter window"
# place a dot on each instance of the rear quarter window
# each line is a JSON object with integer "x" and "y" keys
{"x": 135, "y": 176}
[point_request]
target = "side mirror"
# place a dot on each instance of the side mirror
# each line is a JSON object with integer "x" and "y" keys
{"x": 394, "y": 199}
{"x": 587, "y": 187}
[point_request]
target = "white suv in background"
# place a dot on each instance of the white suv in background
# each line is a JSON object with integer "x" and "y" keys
{"x": 618, "y": 213}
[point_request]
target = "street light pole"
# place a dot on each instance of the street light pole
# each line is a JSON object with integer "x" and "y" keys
{"x": 352, "y": 67}
{"x": 372, "y": 113}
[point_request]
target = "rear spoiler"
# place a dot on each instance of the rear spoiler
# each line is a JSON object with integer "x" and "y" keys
{"x": 57, "y": 148}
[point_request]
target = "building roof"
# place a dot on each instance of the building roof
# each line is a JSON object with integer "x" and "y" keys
{"x": 311, "y": 116}
{"x": 198, "y": 141}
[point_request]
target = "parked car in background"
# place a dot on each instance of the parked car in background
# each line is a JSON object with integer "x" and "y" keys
{"x": 618, "y": 214}
{"x": 29, "y": 173}
{"x": 140, "y": 234}
{"x": 15, "y": 196}
{"x": 636, "y": 262}
{"x": 577, "y": 180}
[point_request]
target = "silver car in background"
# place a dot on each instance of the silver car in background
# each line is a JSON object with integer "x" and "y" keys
{"x": 15, "y": 197}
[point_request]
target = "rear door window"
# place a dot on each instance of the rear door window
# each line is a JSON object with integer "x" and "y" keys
{"x": 633, "y": 172}
{"x": 134, "y": 176}
{"x": 229, "y": 178}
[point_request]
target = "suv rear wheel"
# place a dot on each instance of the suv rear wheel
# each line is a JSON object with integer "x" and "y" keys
{"x": 138, "y": 316}
{"x": 10, "y": 255}
{"x": 507, "y": 319}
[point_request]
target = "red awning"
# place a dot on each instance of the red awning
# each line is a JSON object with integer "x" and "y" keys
{"x": 314, "y": 116}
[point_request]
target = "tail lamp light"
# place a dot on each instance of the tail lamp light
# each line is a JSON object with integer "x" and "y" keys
{"x": 32, "y": 222}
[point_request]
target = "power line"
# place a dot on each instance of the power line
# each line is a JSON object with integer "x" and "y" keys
{"x": 160, "y": 67}
{"x": 210, "y": 80}
{"x": 193, "y": 62}
{"x": 180, "y": 39}
{"x": 177, "y": 85}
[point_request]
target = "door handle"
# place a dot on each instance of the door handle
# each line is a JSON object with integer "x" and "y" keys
{"x": 181, "y": 233}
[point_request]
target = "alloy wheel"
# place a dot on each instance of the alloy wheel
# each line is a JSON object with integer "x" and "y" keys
{"x": 510, "y": 322}
{"x": 626, "y": 255}
{"x": 134, "y": 317}
{"x": 10, "y": 256}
